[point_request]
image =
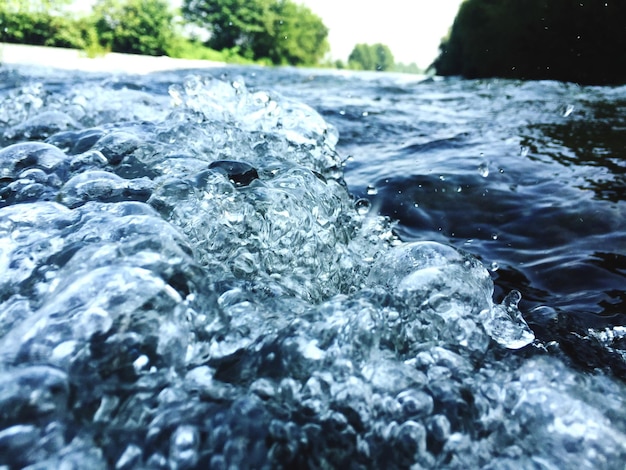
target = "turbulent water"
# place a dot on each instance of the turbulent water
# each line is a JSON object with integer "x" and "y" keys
{"x": 275, "y": 268}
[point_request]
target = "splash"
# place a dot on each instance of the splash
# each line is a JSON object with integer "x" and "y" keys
{"x": 199, "y": 289}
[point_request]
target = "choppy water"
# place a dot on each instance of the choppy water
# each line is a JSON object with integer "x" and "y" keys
{"x": 199, "y": 271}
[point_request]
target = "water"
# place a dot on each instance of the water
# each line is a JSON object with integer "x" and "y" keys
{"x": 261, "y": 268}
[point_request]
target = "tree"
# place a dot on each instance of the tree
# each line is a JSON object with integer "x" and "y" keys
{"x": 280, "y": 30}
{"x": 135, "y": 26}
{"x": 362, "y": 58}
{"x": 231, "y": 23}
{"x": 40, "y": 22}
{"x": 583, "y": 42}
{"x": 50, "y": 7}
{"x": 371, "y": 57}
{"x": 300, "y": 35}
{"x": 407, "y": 68}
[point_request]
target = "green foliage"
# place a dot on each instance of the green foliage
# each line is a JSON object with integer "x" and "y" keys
{"x": 40, "y": 28}
{"x": 280, "y": 30}
{"x": 287, "y": 33}
{"x": 51, "y": 7}
{"x": 232, "y": 23}
{"x": 300, "y": 36}
{"x": 91, "y": 45}
{"x": 371, "y": 57}
{"x": 407, "y": 68}
{"x": 135, "y": 26}
{"x": 565, "y": 40}
{"x": 183, "y": 48}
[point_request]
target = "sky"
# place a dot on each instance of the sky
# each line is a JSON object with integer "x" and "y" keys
{"x": 411, "y": 28}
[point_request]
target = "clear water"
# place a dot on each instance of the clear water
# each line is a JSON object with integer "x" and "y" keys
{"x": 276, "y": 268}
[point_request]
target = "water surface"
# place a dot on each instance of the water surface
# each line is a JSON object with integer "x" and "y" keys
{"x": 281, "y": 268}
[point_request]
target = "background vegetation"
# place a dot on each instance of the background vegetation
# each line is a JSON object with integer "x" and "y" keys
{"x": 135, "y": 26}
{"x": 567, "y": 40}
{"x": 371, "y": 57}
{"x": 280, "y": 32}
{"x": 129, "y": 26}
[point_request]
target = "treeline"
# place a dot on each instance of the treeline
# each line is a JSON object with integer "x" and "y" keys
{"x": 576, "y": 41}
{"x": 130, "y": 26}
{"x": 264, "y": 31}
{"x": 377, "y": 57}
{"x": 41, "y": 23}
{"x": 280, "y": 32}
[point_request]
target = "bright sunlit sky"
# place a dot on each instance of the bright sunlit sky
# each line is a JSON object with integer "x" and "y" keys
{"x": 411, "y": 28}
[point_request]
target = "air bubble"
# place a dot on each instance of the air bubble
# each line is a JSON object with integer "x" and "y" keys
{"x": 362, "y": 206}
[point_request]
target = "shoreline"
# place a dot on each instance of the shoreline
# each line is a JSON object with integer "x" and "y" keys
{"x": 113, "y": 62}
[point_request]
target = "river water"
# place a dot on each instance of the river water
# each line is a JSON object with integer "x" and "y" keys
{"x": 283, "y": 268}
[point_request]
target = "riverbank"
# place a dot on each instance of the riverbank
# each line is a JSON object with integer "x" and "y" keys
{"x": 73, "y": 59}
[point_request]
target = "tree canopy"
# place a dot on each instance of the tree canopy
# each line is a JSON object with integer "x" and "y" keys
{"x": 40, "y": 22}
{"x": 371, "y": 57}
{"x": 567, "y": 40}
{"x": 279, "y": 30}
{"x": 135, "y": 26}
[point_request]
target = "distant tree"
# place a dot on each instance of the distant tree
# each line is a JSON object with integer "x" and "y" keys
{"x": 407, "y": 68}
{"x": 231, "y": 23}
{"x": 41, "y": 22}
{"x": 135, "y": 26}
{"x": 384, "y": 57}
{"x": 567, "y": 40}
{"x": 280, "y": 30}
{"x": 371, "y": 57}
{"x": 362, "y": 58}
{"x": 300, "y": 36}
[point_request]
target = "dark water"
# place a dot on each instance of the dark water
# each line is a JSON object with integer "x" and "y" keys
{"x": 527, "y": 176}
{"x": 197, "y": 272}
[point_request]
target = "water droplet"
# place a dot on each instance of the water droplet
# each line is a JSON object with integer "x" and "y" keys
{"x": 494, "y": 266}
{"x": 483, "y": 170}
{"x": 505, "y": 324}
{"x": 140, "y": 363}
{"x": 372, "y": 191}
{"x": 494, "y": 236}
{"x": 569, "y": 109}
